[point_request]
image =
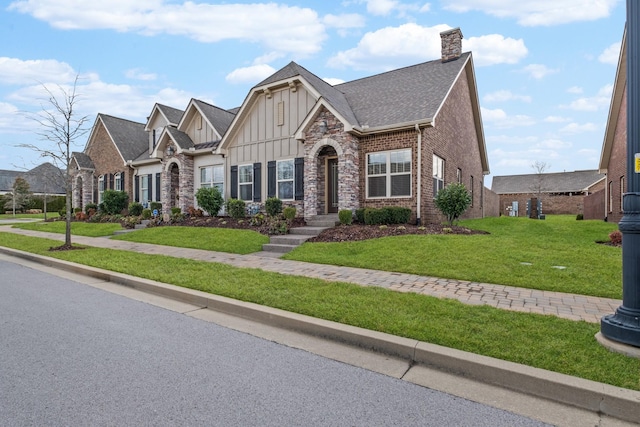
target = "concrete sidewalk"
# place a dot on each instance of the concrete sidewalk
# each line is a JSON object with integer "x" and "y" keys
{"x": 564, "y": 305}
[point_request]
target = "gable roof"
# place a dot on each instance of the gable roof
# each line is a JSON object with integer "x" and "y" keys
{"x": 129, "y": 137}
{"x": 44, "y": 178}
{"x": 219, "y": 118}
{"x": 7, "y": 178}
{"x": 171, "y": 115}
{"x": 82, "y": 160}
{"x": 559, "y": 182}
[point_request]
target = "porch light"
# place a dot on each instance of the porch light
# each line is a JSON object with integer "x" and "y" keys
{"x": 323, "y": 126}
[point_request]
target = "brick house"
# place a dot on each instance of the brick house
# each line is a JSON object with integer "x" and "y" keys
{"x": 560, "y": 193}
{"x": 392, "y": 139}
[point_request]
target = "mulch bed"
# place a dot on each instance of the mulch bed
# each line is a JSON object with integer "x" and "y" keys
{"x": 354, "y": 232}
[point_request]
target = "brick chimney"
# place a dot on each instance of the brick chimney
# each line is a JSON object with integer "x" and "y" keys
{"x": 451, "y": 44}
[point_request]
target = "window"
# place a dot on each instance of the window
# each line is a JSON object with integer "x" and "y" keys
{"x": 117, "y": 182}
{"x": 621, "y": 193}
{"x": 471, "y": 190}
{"x": 245, "y": 182}
{"x": 389, "y": 174}
{"x": 212, "y": 176}
{"x": 156, "y": 135}
{"x": 459, "y": 176}
{"x": 144, "y": 189}
{"x": 285, "y": 175}
{"x": 438, "y": 174}
{"x": 100, "y": 188}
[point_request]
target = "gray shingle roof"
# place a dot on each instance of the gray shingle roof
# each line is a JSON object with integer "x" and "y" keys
{"x": 182, "y": 139}
{"x": 130, "y": 137}
{"x": 560, "y": 182}
{"x": 45, "y": 178}
{"x": 220, "y": 119}
{"x": 7, "y": 178}
{"x": 83, "y": 160}
{"x": 172, "y": 114}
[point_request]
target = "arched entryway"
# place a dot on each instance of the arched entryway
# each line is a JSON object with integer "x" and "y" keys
{"x": 174, "y": 189}
{"x": 328, "y": 180}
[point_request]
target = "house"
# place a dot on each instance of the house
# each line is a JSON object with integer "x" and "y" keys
{"x": 560, "y": 193}
{"x": 392, "y": 139}
{"x": 613, "y": 158}
{"x": 44, "y": 179}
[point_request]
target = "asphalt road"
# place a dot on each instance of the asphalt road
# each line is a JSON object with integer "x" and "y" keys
{"x": 74, "y": 355}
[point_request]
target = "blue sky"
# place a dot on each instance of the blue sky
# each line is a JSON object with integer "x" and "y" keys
{"x": 544, "y": 68}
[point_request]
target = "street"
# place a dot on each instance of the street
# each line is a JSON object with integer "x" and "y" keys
{"x": 74, "y": 355}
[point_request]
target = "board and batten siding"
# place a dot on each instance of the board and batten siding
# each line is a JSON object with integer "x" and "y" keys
{"x": 200, "y": 131}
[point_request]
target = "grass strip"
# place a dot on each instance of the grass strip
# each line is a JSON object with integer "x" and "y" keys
{"x": 87, "y": 229}
{"x": 541, "y": 341}
{"x": 517, "y": 252}
{"x": 207, "y": 238}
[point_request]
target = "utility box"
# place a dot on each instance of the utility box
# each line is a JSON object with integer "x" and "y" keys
{"x": 534, "y": 208}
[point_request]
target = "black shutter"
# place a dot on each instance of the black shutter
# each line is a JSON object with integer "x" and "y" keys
{"x": 123, "y": 174}
{"x": 257, "y": 182}
{"x": 158, "y": 187}
{"x": 299, "y": 178}
{"x": 149, "y": 188}
{"x": 136, "y": 189}
{"x": 271, "y": 178}
{"x": 111, "y": 178}
{"x": 234, "y": 182}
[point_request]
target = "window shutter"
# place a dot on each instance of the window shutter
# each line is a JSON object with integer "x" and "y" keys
{"x": 111, "y": 178}
{"x": 271, "y": 178}
{"x": 257, "y": 182}
{"x": 234, "y": 182}
{"x": 299, "y": 178}
{"x": 150, "y": 187}
{"x": 158, "y": 187}
{"x": 136, "y": 189}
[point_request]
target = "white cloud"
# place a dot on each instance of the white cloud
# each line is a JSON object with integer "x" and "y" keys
{"x": 594, "y": 103}
{"x": 512, "y": 140}
{"x": 556, "y": 119}
{"x": 495, "y": 49}
{"x": 499, "y": 119}
{"x": 573, "y": 128}
{"x": 253, "y": 74}
{"x": 504, "y": 96}
{"x": 19, "y": 72}
{"x": 611, "y": 54}
{"x": 554, "y": 143}
{"x": 350, "y": 20}
{"x": 260, "y": 23}
{"x": 537, "y": 13}
{"x": 138, "y": 74}
{"x": 538, "y": 71}
{"x": 381, "y": 7}
{"x": 333, "y": 81}
{"x": 575, "y": 90}
{"x": 386, "y": 7}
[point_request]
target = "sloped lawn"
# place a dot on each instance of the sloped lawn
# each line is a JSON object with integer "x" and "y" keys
{"x": 88, "y": 229}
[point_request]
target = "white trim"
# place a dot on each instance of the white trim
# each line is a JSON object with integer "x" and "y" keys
{"x": 250, "y": 166}
{"x": 388, "y": 174}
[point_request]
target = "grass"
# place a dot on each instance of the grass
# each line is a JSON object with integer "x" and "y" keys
{"x": 77, "y": 228}
{"x": 31, "y": 216}
{"x": 542, "y": 341}
{"x": 208, "y": 238}
{"x": 501, "y": 257}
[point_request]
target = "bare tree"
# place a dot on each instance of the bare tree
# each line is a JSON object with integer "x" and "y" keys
{"x": 61, "y": 126}
{"x": 538, "y": 184}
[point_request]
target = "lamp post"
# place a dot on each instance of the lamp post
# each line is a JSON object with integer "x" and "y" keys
{"x": 624, "y": 325}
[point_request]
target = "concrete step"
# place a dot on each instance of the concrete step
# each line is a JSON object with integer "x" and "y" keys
{"x": 307, "y": 231}
{"x": 143, "y": 224}
{"x": 290, "y": 239}
{"x": 323, "y": 221}
{"x": 123, "y": 231}
{"x": 282, "y": 249}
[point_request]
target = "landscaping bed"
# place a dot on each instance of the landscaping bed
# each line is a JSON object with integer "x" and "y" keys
{"x": 355, "y": 232}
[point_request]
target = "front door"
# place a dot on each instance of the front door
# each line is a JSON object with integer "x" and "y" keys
{"x": 332, "y": 185}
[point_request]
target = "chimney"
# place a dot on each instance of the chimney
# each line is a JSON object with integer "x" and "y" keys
{"x": 451, "y": 44}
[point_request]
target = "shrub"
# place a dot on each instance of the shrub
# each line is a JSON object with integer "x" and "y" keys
{"x": 135, "y": 209}
{"x": 175, "y": 211}
{"x": 579, "y": 217}
{"x": 615, "y": 237}
{"x": 146, "y": 213}
{"x": 345, "y": 216}
{"x": 90, "y": 206}
{"x": 114, "y": 201}
{"x": 453, "y": 200}
{"x": 276, "y": 225}
{"x": 210, "y": 199}
{"x": 155, "y": 206}
{"x": 193, "y": 212}
{"x": 398, "y": 215}
{"x": 76, "y": 210}
{"x": 257, "y": 220}
{"x": 62, "y": 213}
{"x": 236, "y": 208}
{"x": 374, "y": 216}
{"x": 273, "y": 206}
{"x": 360, "y": 215}
{"x": 289, "y": 213}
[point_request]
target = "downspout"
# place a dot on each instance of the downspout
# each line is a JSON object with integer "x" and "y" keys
{"x": 419, "y": 183}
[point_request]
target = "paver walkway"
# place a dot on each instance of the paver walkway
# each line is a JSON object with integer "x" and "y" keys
{"x": 568, "y": 306}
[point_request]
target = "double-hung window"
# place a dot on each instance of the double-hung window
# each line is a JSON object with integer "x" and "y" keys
{"x": 117, "y": 182}
{"x": 100, "y": 188}
{"x": 285, "y": 179}
{"x": 212, "y": 176}
{"x": 245, "y": 182}
{"x": 144, "y": 189}
{"x": 389, "y": 174}
{"x": 438, "y": 174}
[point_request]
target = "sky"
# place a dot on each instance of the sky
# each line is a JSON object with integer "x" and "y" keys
{"x": 544, "y": 69}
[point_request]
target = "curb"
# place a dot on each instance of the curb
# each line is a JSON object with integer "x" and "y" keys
{"x": 585, "y": 394}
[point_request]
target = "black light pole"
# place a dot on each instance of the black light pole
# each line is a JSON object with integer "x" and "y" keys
{"x": 624, "y": 325}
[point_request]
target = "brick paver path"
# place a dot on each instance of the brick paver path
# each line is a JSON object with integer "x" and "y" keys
{"x": 568, "y": 306}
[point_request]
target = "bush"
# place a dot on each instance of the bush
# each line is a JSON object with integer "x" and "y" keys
{"x": 54, "y": 203}
{"x": 360, "y": 215}
{"x": 289, "y": 213}
{"x": 579, "y": 217}
{"x": 62, "y": 213}
{"x": 76, "y": 210}
{"x": 345, "y": 216}
{"x": 175, "y": 211}
{"x": 114, "y": 201}
{"x": 210, "y": 199}
{"x": 155, "y": 206}
{"x": 195, "y": 213}
{"x": 615, "y": 237}
{"x": 135, "y": 209}
{"x": 453, "y": 200}
{"x": 273, "y": 206}
{"x": 146, "y": 213}
{"x": 236, "y": 208}
{"x": 257, "y": 220}
{"x": 374, "y": 216}
{"x": 90, "y": 206}
{"x": 398, "y": 215}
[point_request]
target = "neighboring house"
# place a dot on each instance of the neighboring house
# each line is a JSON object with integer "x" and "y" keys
{"x": 613, "y": 158}
{"x": 560, "y": 193}
{"x": 44, "y": 179}
{"x": 392, "y": 139}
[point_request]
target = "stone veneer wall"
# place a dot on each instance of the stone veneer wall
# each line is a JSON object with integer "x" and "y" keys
{"x": 87, "y": 188}
{"x": 186, "y": 190}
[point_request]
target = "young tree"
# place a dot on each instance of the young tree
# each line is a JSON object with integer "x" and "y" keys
{"x": 453, "y": 200}
{"x": 19, "y": 198}
{"x": 538, "y": 184}
{"x": 61, "y": 126}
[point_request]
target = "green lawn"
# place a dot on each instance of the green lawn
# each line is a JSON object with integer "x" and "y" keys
{"x": 208, "y": 238}
{"x": 77, "y": 228}
{"x": 542, "y": 341}
{"x": 518, "y": 252}
{"x": 32, "y": 216}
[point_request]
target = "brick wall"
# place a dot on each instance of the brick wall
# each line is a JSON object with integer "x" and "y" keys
{"x": 551, "y": 205}
{"x": 617, "y": 166}
{"x": 491, "y": 203}
{"x": 594, "y": 206}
